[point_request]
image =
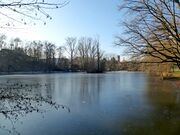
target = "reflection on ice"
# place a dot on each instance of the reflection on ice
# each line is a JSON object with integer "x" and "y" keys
{"x": 18, "y": 99}
{"x": 122, "y": 103}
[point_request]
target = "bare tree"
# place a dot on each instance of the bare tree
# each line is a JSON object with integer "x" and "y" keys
{"x": 37, "y": 48}
{"x": 61, "y": 62}
{"x": 87, "y": 50}
{"x": 60, "y": 51}
{"x": 96, "y": 44}
{"x": 17, "y": 41}
{"x": 49, "y": 54}
{"x": 70, "y": 47}
{"x": 82, "y": 51}
{"x": 2, "y": 40}
{"x": 24, "y": 11}
{"x": 90, "y": 54}
{"x": 153, "y": 30}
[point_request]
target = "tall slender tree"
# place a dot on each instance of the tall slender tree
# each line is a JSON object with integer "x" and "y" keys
{"x": 71, "y": 49}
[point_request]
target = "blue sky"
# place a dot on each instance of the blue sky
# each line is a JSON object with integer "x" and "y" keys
{"x": 79, "y": 18}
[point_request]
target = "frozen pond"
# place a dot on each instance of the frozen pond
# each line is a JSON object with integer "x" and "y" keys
{"x": 118, "y": 103}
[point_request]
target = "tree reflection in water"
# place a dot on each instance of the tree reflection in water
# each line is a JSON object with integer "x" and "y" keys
{"x": 18, "y": 99}
{"x": 164, "y": 117}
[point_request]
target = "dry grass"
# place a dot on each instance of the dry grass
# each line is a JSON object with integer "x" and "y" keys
{"x": 176, "y": 74}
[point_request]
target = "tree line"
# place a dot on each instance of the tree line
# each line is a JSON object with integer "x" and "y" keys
{"x": 83, "y": 54}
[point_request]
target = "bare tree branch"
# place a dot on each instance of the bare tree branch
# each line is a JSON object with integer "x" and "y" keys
{"x": 25, "y": 11}
{"x": 153, "y": 29}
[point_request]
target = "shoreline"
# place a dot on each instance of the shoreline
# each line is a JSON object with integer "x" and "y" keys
{"x": 32, "y": 73}
{"x": 175, "y": 81}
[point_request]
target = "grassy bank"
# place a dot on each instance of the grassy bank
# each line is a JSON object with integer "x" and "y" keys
{"x": 176, "y": 74}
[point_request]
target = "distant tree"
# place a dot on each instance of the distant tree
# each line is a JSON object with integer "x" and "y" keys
{"x": 113, "y": 64}
{"x": 82, "y": 49}
{"x": 24, "y": 11}
{"x": 70, "y": 47}
{"x": 11, "y": 44}
{"x": 64, "y": 64}
{"x": 17, "y": 41}
{"x": 60, "y": 51}
{"x": 37, "y": 48}
{"x": 49, "y": 51}
{"x": 96, "y": 43}
{"x": 29, "y": 49}
{"x": 90, "y": 54}
{"x": 87, "y": 50}
{"x": 2, "y": 40}
{"x": 152, "y": 30}
{"x": 103, "y": 64}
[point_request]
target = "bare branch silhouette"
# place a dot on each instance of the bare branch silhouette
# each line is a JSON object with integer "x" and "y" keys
{"x": 25, "y": 11}
{"x": 152, "y": 30}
